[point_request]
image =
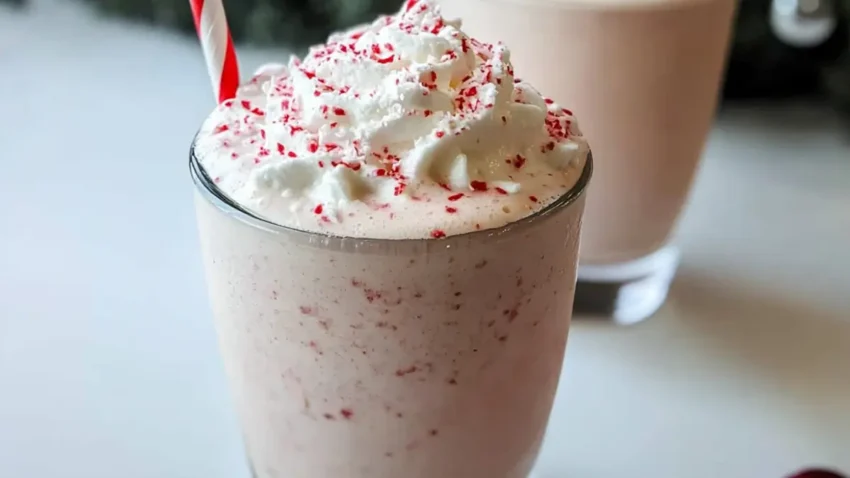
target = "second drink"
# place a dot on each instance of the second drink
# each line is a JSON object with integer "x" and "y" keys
{"x": 644, "y": 77}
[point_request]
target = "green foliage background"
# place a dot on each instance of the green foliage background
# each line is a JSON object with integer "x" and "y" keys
{"x": 760, "y": 65}
{"x": 261, "y": 22}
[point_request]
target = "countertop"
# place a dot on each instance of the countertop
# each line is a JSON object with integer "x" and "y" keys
{"x": 108, "y": 360}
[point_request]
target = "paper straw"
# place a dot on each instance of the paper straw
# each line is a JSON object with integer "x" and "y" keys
{"x": 211, "y": 24}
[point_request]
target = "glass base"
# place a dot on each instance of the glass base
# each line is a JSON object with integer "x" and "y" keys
{"x": 254, "y": 474}
{"x": 626, "y": 293}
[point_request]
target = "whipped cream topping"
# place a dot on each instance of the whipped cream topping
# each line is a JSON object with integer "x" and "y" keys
{"x": 407, "y": 116}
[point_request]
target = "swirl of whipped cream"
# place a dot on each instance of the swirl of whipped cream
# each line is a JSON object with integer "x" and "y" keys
{"x": 384, "y": 113}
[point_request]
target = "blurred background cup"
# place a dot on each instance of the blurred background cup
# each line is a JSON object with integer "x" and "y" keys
{"x": 643, "y": 77}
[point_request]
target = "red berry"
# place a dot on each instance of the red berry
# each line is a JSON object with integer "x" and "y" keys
{"x": 816, "y": 473}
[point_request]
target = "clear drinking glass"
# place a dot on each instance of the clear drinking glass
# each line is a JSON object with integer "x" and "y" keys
{"x": 391, "y": 358}
{"x": 643, "y": 77}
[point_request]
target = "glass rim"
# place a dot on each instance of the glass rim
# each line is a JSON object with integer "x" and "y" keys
{"x": 221, "y": 201}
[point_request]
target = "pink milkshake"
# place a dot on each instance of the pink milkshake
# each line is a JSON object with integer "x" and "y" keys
{"x": 390, "y": 232}
{"x": 644, "y": 76}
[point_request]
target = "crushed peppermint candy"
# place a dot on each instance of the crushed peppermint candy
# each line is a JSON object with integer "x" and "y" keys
{"x": 362, "y": 119}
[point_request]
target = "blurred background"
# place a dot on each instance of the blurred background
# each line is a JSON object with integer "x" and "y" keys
{"x": 767, "y": 60}
{"x": 108, "y": 360}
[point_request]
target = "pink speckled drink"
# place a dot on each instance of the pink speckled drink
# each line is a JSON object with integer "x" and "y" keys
{"x": 390, "y": 231}
{"x": 392, "y": 358}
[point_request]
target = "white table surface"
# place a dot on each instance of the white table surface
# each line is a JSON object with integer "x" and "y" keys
{"x": 108, "y": 362}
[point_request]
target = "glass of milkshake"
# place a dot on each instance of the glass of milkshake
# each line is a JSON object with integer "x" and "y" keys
{"x": 390, "y": 232}
{"x": 644, "y": 76}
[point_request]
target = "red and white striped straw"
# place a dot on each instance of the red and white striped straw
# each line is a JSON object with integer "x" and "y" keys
{"x": 211, "y": 24}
